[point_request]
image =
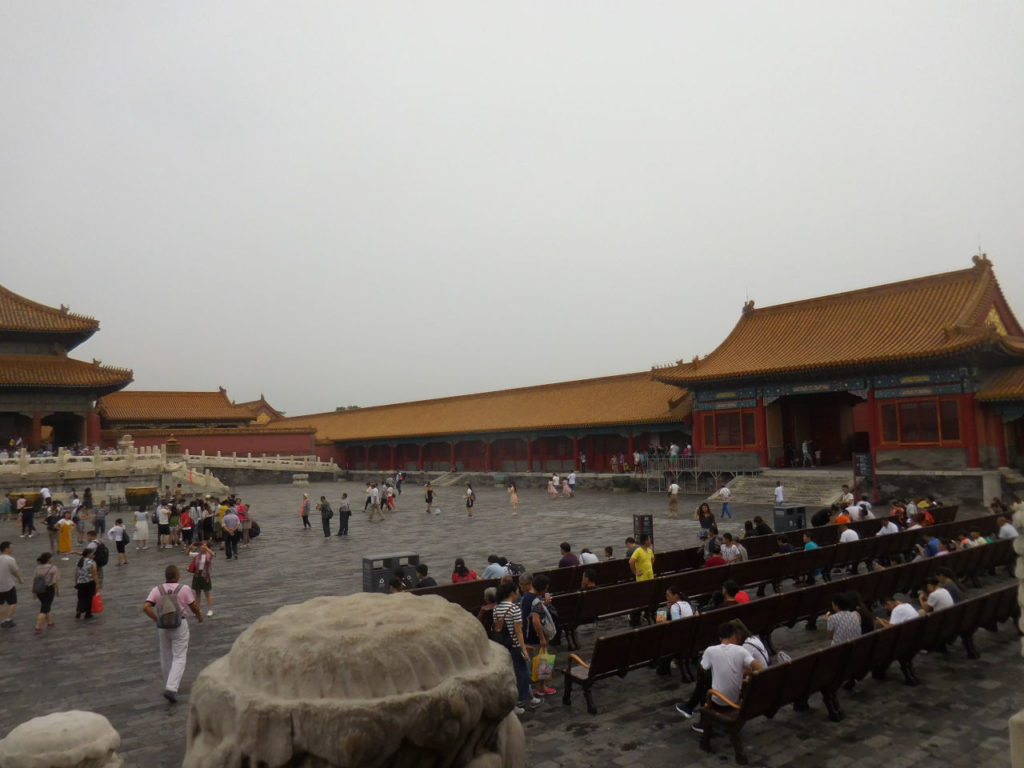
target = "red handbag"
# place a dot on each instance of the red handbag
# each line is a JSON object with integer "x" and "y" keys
{"x": 97, "y": 603}
{"x": 192, "y": 565}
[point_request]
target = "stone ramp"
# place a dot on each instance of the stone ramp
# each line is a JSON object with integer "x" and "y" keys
{"x": 813, "y": 487}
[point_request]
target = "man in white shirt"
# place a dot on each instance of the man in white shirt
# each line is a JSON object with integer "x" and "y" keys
{"x": 888, "y": 527}
{"x": 44, "y": 492}
{"x": 730, "y": 548}
{"x": 9, "y": 574}
{"x": 728, "y": 662}
{"x": 572, "y": 483}
{"x": 780, "y": 494}
{"x": 725, "y": 494}
{"x": 587, "y": 557}
{"x": 936, "y": 598}
{"x": 899, "y": 611}
{"x": 847, "y": 534}
{"x": 1006, "y": 529}
{"x": 847, "y": 498}
{"x": 163, "y": 526}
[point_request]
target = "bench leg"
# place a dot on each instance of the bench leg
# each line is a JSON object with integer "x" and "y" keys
{"x": 835, "y": 714}
{"x": 968, "y": 641}
{"x": 801, "y": 705}
{"x": 567, "y": 690}
{"x": 684, "y": 669}
{"x": 705, "y": 737}
{"x": 588, "y": 694}
{"x": 907, "y": 668}
{"x": 879, "y": 672}
{"x": 736, "y": 737}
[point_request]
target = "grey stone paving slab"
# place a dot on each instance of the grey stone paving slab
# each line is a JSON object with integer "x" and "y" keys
{"x": 956, "y": 717}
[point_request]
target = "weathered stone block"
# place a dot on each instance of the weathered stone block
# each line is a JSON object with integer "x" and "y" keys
{"x": 74, "y": 739}
{"x": 360, "y": 680}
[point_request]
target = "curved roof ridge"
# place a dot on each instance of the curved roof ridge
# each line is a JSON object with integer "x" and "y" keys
{"x": 869, "y": 291}
{"x": 22, "y": 314}
{"x": 486, "y": 393}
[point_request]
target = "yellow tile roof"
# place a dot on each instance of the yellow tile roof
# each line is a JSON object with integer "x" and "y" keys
{"x": 58, "y": 371}
{"x": 926, "y": 317}
{"x": 20, "y": 314}
{"x": 163, "y": 406}
{"x": 628, "y": 399}
{"x": 1007, "y": 384}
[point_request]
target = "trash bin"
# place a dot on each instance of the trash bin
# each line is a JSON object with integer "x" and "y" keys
{"x": 378, "y": 570}
{"x": 643, "y": 524}
{"x": 790, "y": 517}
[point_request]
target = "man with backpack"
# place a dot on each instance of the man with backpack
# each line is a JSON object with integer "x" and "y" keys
{"x": 166, "y": 605}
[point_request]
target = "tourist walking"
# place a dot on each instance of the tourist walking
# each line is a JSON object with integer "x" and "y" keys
{"x": 28, "y": 526}
{"x": 673, "y": 500}
{"x": 119, "y": 535}
{"x": 344, "y": 515}
{"x": 44, "y": 589}
{"x": 50, "y": 521}
{"x": 201, "y": 569}
{"x": 428, "y": 495}
{"x": 141, "y": 530}
{"x": 304, "y": 512}
{"x": 326, "y": 513}
{"x": 9, "y": 576}
{"x": 375, "y": 508}
{"x": 64, "y": 527}
{"x": 166, "y": 605}
{"x": 470, "y": 499}
{"x": 86, "y": 579}
{"x": 231, "y": 532}
{"x": 513, "y": 498}
{"x": 725, "y": 495}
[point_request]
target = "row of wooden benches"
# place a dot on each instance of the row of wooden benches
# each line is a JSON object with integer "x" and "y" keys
{"x": 470, "y": 594}
{"x": 619, "y": 653}
{"x": 583, "y": 607}
{"x": 826, "y": 670}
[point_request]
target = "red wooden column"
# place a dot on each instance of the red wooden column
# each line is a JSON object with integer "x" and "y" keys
{"x": 391, "y": 456}
{"x": 698, "y": 432}
{"x": 529, "y": 454}
{"x": 575, "y": 450}
{"x": 488, "y": 457}
{"x": 761, "y": 425}
{"x": 419, "y": 457}
{"x": 451, "y": 455}
{"x": 366, "y": 457}
{"x": 873, "y": 442}
{"x": 1002, "y": 433}
{"x": 970, "y": 435}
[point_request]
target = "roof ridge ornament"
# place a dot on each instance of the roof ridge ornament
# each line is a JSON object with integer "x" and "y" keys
{"x": 748, "y": 306}
{"x": 981, "y": 260}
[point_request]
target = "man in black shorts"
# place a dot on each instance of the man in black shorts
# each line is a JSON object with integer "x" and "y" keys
{"x": 9, "y": 575}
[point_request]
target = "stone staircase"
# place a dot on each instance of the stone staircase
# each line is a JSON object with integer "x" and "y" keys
{"x": 813, "y": 487}
{"x": 449, "y": 479}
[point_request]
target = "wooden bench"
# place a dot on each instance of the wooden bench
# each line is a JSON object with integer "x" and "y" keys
{"x": 826, "y": 670}
{"x": 684, "y": 638}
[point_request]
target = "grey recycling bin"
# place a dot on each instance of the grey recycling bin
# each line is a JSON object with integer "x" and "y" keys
{"x": 790, "y": 517}
{"x": 379, "y": 569}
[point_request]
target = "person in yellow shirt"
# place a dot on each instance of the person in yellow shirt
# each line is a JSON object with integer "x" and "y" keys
{"x": 641, "y": 563}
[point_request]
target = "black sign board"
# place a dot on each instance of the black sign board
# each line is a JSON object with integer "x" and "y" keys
{"x": 862, "y": 465}
{"x": 643, "y": 524}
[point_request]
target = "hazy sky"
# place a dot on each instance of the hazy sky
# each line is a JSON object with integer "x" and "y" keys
{"x": 367, "y": 202}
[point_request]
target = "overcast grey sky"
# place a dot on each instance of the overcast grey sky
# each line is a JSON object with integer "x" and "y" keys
{"x": 360, "y": 203}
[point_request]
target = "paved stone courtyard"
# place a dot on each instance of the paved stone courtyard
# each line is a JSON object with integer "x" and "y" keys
{"x": 957, "y": 717}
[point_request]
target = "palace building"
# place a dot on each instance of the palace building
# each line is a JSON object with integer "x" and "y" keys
{"x": 926, "y": 374}
{"x": 530, "y": 429}
{"x": 44, "y": 394}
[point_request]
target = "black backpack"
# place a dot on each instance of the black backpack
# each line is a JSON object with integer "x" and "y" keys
{"x": 102, "y": 555}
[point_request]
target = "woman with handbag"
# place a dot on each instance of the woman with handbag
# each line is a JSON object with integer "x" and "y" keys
{"x": 86, "y": 577}
{"x": 201, "y": 569}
